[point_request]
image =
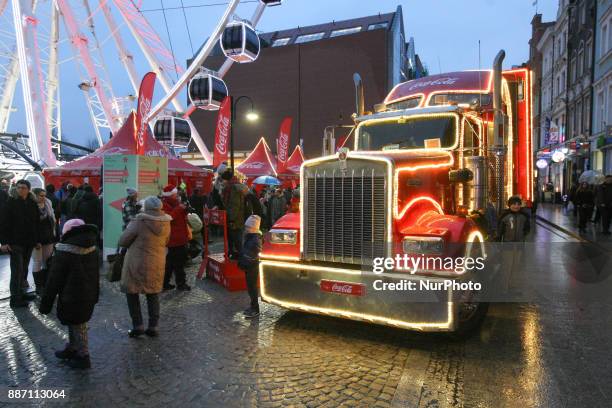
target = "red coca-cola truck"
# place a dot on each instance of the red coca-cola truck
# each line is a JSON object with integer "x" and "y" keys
{"x": 438, "y": 153}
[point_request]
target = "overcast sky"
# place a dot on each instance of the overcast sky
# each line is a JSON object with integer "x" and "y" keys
{"x": 446, "y": 34}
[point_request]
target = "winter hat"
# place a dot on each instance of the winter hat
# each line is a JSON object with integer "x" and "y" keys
{"x": 252, "y": 223}
{"x": 70, "y": 224}
{"x": 169, "y": 191}
{"x": 152, "y": 203}
{"x": 222, "y": 167}
{"x": 514, "y": 200}
{"x": 227, "y": 174}
{"x": 131, "y": 191}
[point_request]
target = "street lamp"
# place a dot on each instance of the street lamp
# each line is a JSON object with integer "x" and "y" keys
{"x": 251, "y": 116}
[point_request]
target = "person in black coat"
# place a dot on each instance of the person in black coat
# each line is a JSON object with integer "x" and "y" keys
{"x": 74, "y": 280}
{"x": 585, "y": 201}
{"x": 248, "y": 261}
{"x": 88, "y": 208}
{"x": 197, "y": 201}
{"x": 19, "y": 235}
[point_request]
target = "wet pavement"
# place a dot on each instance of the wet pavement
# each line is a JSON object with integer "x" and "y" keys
{"x": 550, "y": 352}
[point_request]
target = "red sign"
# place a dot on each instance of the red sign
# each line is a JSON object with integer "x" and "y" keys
{"x": 282, "y": 144}
{"x": 222, "y": 132}
{"x": 145, "y": 98}
{"x": 215, "y": 217}
{"x": 343, "y": 288}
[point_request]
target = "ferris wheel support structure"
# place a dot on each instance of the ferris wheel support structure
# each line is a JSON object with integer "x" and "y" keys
{"x": 31, "y": 74}
{"x": 52, "y": 83}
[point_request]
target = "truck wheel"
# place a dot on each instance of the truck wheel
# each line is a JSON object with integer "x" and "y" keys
{"x": 471, "y": 316}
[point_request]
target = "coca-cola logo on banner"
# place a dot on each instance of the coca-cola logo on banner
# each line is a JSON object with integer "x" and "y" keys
{"x": 223, "y": 130}
{"x": 157, "y": 153}
{"x": 283, "y": 146}
{"x": 439, "y": 81}
{"x": 295, "y": 169}
{"x": 143, "y": 108}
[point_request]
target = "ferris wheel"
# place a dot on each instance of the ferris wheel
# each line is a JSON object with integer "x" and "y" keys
{"x": 30, "y": 37}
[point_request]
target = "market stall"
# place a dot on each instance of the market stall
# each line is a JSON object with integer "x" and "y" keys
{"x": 88, "y": 168}
{"x": 291, "y": 176}
{"x": 260, "y": 162}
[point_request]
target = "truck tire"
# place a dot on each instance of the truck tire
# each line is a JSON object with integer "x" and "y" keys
{"x": 471, "y": 316}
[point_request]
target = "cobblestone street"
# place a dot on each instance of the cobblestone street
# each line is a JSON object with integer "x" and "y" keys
{"x": 208, "y": 355}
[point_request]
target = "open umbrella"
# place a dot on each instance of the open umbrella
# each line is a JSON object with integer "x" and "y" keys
{"x": 591, "y": 177}
{"x": 267, "y": 180}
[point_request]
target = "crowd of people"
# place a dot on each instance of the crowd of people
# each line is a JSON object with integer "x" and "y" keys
{"x": 592, "y": 203}
{"x": 60, "y": 232}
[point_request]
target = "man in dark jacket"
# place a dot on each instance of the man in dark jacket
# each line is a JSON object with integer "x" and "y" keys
{"x": 74, "y": 279}
{"x": 604, "y": 199}
{"x": 19, "y": 233}
{"x": 197, "y": 201}
{"x": 88, "y": 208}
{"x": 4, "y": 195}
{"x": 513, "y": 223}
{"x": 234, "y": 200}
{"x": 130, "y": 207}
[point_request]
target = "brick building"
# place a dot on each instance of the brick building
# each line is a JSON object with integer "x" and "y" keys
{"x": 307, "y": 73}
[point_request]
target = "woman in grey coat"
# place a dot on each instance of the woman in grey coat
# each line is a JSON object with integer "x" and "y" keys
{"x": 145, "y": 237}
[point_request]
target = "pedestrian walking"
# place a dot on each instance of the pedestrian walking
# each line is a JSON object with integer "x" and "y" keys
{"x": 4, "y": 195}
{"x": 19, "y": 231}
{"x": 46, "y": 238}
{"x": 249, "y": 262}
{"x": 143, "y": 271}
{"x": 514, "y": 224}
{"x": 74, "y": 279}
{"x": 179, "y": 238}
{"x": 234, "y": 201}
{"x": 604, "y": 200}
{"x": 130, "y": 207}
{"x": 88, "y": 208}
{"x": 585, "y": 201}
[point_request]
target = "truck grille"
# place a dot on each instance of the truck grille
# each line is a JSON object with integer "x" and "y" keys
{"x": 345, "y": 210}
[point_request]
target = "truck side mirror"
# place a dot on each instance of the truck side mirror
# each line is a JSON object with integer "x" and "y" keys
{"x": 460, "y": 176}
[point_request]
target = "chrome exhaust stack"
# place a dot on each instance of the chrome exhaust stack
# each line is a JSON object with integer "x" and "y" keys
{"x": 497, "y": 149}
{"x": 359, "y": 95}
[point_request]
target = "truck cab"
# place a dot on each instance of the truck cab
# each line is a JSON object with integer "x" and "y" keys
{"x": 436, "y": 156}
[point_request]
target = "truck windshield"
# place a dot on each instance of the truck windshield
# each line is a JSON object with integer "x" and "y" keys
{"x": 407, "y": 133}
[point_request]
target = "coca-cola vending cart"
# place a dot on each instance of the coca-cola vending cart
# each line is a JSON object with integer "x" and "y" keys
{"x": 217, "y": 266}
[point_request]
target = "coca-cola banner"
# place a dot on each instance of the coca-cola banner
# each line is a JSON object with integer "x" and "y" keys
{"x": 145, "y": 97}
{"x": 282, "y": 147}
{"x": 222, "y": 132}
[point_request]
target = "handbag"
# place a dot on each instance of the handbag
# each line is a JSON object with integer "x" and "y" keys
{"x": 115, "y": 266}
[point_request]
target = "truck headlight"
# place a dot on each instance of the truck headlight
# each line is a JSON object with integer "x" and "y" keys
{"x": 423, "y": 245}
{"x": 283, "y": 236}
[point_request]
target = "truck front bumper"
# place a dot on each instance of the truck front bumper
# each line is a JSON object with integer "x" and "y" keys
{"x": 308, "y": 288}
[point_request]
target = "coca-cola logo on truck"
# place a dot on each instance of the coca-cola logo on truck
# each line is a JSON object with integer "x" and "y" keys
{"x": 344, "y": 288}
{"x": 439, "y": 81}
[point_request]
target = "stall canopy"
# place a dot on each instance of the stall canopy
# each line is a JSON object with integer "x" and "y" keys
{"x": 260, "y": 162}
{"x": 87, "y": 169}
{"x": 295, "y": 160}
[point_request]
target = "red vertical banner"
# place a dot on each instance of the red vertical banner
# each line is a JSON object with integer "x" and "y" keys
{"x": 282, "y": 145}
{"x": 222, "y": 132}
{"x": 145, "y": 99}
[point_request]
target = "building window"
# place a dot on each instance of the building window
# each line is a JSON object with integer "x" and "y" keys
{"x": 308, "y": 37}
{"x": 604, "y": 40}
{"x": 345, "y": 31}
{"x": 587, "y": 116}
{"x": 281, "y": 41}
{"x": 580, "y": 62}
{"x": 587, "y": 55}
{"x": 599, "y": 116}
{"x": 377, "y": 26}
{"x": 573, "y": 69}
{"x": 578, "y": 119}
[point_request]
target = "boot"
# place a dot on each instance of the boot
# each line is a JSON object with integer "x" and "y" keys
{"x": 18, "y": 302}
{"x": 79, "y": 361}
{"x": 38, "y": 281}
{"x": 65, "y": 354}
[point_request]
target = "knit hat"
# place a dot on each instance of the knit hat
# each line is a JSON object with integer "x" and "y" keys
{"x": 131, "y": 191}
{"x": 152, "y": 203}
{"x": 70, "y": 224}
{"x": 222, "y": 167}
{"x": 227, "y": 174}
{"x": 514, "y": 200}
{"x": 169, "y": 191}
{"x": 252, "y": 223}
